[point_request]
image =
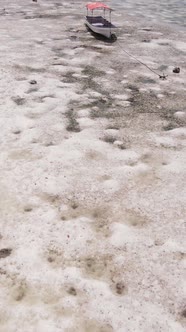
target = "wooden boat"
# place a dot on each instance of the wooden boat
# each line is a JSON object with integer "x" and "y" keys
{"x": 99, "y": 24}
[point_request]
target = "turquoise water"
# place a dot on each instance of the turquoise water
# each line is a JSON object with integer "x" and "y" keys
{"x": 163, "y": 11}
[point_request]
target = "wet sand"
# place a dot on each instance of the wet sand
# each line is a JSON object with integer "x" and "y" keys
{"x": 92, "y": 161}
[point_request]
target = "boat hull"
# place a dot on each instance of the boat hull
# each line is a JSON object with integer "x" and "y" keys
{"x": 100, "y": 26}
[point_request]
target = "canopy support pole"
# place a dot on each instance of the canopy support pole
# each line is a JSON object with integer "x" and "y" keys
{"x": 110, "y": 22}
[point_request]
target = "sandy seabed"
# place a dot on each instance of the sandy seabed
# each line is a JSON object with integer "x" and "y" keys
{"x": 93, "y": 173}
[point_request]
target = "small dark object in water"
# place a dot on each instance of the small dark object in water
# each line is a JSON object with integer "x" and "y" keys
{"x": 34, "y": 0}
{"x": 73, "y": 37}
{"x": 176, "y": 70}
{"x": 120, "y": 288}
{"x": 33, "y": 82}
{"x": 5, "y": 252}
{"x": 184, "y": 313}
{"x": 146, "y": 40}
{"x": 72, "y": 291}
{"x": 163, "y": 77}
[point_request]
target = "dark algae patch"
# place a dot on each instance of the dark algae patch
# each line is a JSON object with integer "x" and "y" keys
{"x": 5, "y": 252}
{"x": 72, "y": 123}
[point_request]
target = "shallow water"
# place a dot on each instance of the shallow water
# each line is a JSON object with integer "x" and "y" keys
{"x": 167, "y": 11}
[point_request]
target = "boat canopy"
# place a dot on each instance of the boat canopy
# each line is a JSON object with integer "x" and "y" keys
{"x": 98, "y": 5}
